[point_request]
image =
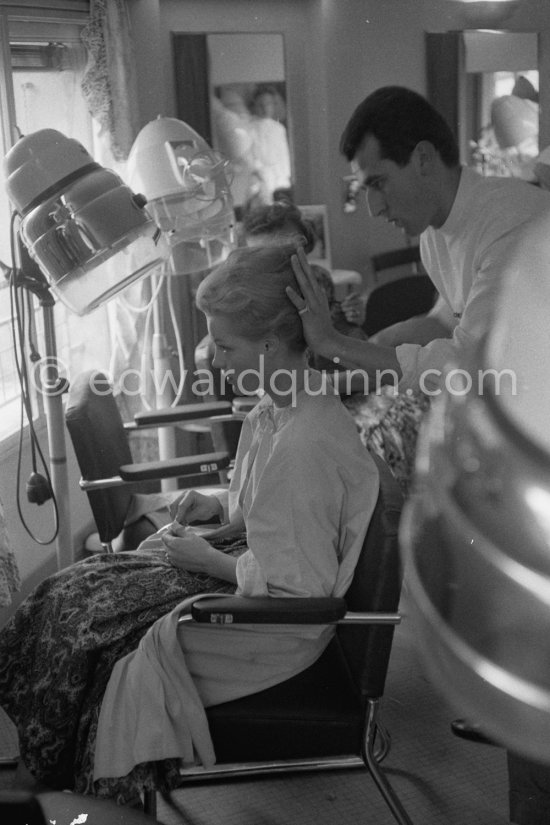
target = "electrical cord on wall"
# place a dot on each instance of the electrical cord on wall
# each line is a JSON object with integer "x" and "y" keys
{"x": 178, "y": 340}
{"x": 164, "y": 279}
{"x": 39, "y": 486}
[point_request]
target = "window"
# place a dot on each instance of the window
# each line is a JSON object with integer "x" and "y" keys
{"x": 40, "y": 88}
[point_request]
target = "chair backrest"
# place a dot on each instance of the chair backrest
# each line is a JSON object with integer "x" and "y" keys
{"x": 405, "y": 256}
{"x": 101, "y": 446}
{"x": 398, "y": 300}
{"x": 376, "y": 586}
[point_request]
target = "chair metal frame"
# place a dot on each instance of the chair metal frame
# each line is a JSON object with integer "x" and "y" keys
{"x": 373, "y": 730}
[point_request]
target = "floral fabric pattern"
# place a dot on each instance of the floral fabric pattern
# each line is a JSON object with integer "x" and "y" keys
{"x": 388, "y": 425}
{"x": 57, "y": 653}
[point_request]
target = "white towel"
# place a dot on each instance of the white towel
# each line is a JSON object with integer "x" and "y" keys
{"x": 144, "y": 716}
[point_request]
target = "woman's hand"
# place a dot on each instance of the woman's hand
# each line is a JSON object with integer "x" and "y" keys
{"x": 312, "y": 304}
{"x": 353, "y": 309}
{"x": 186, "y": 550}
{"x": 193, "y": 506}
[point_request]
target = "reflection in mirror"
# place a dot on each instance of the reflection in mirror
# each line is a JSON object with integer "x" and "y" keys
{"x": 243, "y": 113}
{"x": 505, "y": 102}
{"x": 485, "y": 84}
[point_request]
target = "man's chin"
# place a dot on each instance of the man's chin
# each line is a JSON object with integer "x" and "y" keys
{"x": 410, "y": 230}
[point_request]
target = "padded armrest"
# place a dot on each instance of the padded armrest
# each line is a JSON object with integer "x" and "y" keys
{"x": 267, "y": 610}
{"x": 185, "y": 412}
{"x": 171, "y": 468}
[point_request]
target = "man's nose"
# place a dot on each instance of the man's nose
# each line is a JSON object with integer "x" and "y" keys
{"x": 217, "y": 360}
{"x": 376, "y": 203}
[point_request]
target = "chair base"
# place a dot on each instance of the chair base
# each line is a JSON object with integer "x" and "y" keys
{"x": 370, "y": 760}
{"x": 239, "y": 769}
{"x": 198, "y": 775}
{"x": 381, "y": 781}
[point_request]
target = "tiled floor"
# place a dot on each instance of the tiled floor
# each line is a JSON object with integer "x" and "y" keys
{"x": 440, "y": 780}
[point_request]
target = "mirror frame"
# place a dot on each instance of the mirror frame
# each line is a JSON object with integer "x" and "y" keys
{"x": 193, "y": 86}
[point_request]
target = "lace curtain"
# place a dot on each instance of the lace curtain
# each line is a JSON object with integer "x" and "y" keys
{"x": 108, "y": 85}
{"x": 110, "y": 91}
{"x": 9, "y": 573}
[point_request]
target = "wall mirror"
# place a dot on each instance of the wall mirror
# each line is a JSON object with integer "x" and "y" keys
{"x": 486, "y": 84}
{"x": 231, "y": 88}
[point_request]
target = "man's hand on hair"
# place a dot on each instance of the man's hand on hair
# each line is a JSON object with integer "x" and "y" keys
{"x": 312, "y": 303}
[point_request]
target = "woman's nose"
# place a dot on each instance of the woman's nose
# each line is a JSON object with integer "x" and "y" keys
{"x": 217, "y": 360}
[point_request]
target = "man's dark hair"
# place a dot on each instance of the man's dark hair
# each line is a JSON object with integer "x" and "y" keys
{"x": 399, "y": 119}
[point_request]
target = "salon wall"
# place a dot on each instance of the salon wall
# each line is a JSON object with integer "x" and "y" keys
{"x": 336, "y": 53}
{"x": 36, "y": 561}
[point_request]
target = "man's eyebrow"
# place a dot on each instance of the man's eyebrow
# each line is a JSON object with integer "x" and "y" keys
{"x": 370, "y": 180}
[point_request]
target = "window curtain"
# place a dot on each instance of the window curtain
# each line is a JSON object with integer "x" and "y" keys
{"x": 108, "y": 85}
{"x": 9, "y": 574}
{"x": 110, "y": 91}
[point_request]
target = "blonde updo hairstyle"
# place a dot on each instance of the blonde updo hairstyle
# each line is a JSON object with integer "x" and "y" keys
{"x": 249, "y": 288}
{"x": 278, "y": 221}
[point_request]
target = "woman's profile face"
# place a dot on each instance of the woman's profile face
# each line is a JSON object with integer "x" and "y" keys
{"x": 240, "y": 359}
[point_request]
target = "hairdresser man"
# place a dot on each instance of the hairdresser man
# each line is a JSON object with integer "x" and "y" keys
{"x": 475, "y": 232}
{"x": 406, "y": 160}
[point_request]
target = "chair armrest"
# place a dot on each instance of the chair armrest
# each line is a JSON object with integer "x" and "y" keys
{"x": 184, "y": 412}
{"x": 267, "y": 610}
{"x": 242, "y": 405}
{"x": 216, "y": 609}
{"x": 172, "y": 468}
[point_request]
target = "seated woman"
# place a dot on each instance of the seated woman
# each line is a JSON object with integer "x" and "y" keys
{"x": 302, "y": 493}
{"x": 275, "y": 225}
{"x": 388, "y": 423}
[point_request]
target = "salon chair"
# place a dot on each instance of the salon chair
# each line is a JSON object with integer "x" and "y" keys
{"x": 405, "y": 256}
{"x": 124, "y": 514}
{"x": 409, "y": 293}
{"x": 326, "y": 716}
{"x": 398, "y": 300}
